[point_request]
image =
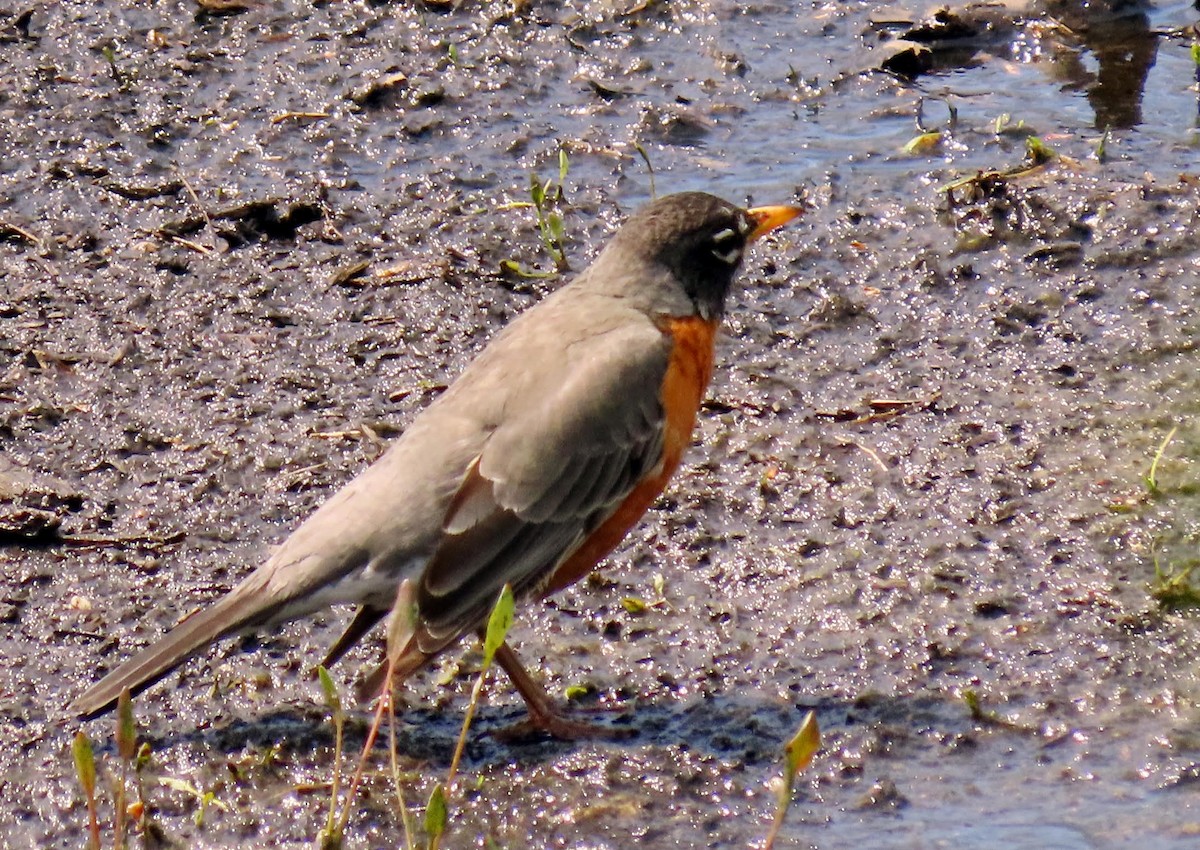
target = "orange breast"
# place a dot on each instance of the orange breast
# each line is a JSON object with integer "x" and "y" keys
{"x": 688, "y": 373}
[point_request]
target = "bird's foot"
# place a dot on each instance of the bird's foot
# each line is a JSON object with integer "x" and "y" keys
{"x": 559, "y": 724}
{"x": 546, "y": 716}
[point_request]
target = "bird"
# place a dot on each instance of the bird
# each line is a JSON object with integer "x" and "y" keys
{"x": 527, "y": 471}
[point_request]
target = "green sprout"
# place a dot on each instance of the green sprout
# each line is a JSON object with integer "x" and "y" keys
{"x": 499, "y": 622}
{"x": 545, "y": 197}
{"x": 436, "y": 816}
{"x": 127, "y": 749}
{"x": 797, "y": 755}
{"x": 1037, "y": 152}
{"x": 1174, "y": 589}
{"x": 1151, "y": 478}
{"x": 85, "y": 770}
{"x": 330, "y": 838}
{"x": 204, "y": 798}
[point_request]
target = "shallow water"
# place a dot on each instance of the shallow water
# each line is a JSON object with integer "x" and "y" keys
{"x": 197, "y": 391}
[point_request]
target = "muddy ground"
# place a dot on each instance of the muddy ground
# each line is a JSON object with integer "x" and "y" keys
{"x": 240, "y": 248}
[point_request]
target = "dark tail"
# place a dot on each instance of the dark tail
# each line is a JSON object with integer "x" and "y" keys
{"x": 242, "y": 608}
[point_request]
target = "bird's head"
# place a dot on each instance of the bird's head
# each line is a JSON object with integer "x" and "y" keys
{"x": 695, "y": 242}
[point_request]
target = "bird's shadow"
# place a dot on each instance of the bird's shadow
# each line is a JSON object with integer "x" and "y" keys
{"x": 749, "y": 729}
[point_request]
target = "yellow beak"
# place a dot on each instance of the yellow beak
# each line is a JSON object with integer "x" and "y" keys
{"x": 767, "y": 219}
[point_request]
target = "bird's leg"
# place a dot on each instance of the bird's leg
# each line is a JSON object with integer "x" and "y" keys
{"x": 544, "y": 712}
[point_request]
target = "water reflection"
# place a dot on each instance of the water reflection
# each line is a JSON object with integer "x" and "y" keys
{"x": 1122, "y": 48}
{"x": 1104, "y": 49}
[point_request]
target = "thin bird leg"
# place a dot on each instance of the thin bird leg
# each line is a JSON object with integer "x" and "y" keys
{"x": 544, "y": 712}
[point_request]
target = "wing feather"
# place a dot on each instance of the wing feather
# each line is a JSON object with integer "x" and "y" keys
{"x": 559, "y": 466}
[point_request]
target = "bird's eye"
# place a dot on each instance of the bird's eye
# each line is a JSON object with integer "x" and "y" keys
{"x": 726, "y": 246}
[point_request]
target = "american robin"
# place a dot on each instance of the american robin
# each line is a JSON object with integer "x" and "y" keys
{"x": 528, "y": 470}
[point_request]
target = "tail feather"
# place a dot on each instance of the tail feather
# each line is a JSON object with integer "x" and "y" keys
{"x": 364, "y": 620}
{"x": 244, "y": 607}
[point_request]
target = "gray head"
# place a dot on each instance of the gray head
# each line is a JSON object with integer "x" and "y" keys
{"x": 698, "y": 239}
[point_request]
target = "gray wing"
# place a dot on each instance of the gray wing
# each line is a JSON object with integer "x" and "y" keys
{"x": 575, "y": 439}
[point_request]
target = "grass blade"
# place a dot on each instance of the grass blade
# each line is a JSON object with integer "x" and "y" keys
{"x": 85, "y": 769}
{"x": 127, "y": 749}
{"x": 436, "y": 816}
{"x": 1152, "y": 476}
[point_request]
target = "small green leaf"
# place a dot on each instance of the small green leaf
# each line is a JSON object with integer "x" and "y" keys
{"x": 498, "y": 625}
{"x": 554, "y": 223}
{"x": 85, "y": 763}
{"x": 659, "y": 583}
{"x": 1101, "y": 151}
{"x": 536, "y": 193}
{"x": 578, "y": 692}
{"x": 435, "y": 813}
{"x": 448, "y": 672}
{"x": 1196, "y": 52}
{"x": 205, "y": 799}
{"x": 985, "y": 716}
{"x": 199, "y": 817}
{"x": 330, "y": 690}
{"x": 126, "y": 730}
{"x": 634, "y": 605}
{"x": 1037, "y": 151}
{"x": 799, "y": 752}
{"x": 924, "y": 143}
{"x": 563, "y": 165}
{"x": 177, "y": 784}
{"x": 143, "y": 757}
{"x": 797, "y": 755}
{"x": 513, "y": 267}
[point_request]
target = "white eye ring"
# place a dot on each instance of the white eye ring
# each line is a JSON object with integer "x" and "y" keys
{"x": 730, "y": 257}
{"x": 723, "y": 236}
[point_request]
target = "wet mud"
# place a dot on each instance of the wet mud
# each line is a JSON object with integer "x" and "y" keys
{"x": 242, "y": 247}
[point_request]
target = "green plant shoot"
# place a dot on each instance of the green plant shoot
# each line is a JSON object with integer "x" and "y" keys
{"x": 436, "y": 816}
{"x": 797, "y": 755}
{"x": 1151, "y": 478}
{"x": 127, "y": 750}
{"x": 85, "y": 769}
{"x": 331, "y": 835}
{"x": 499, "y": 623}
